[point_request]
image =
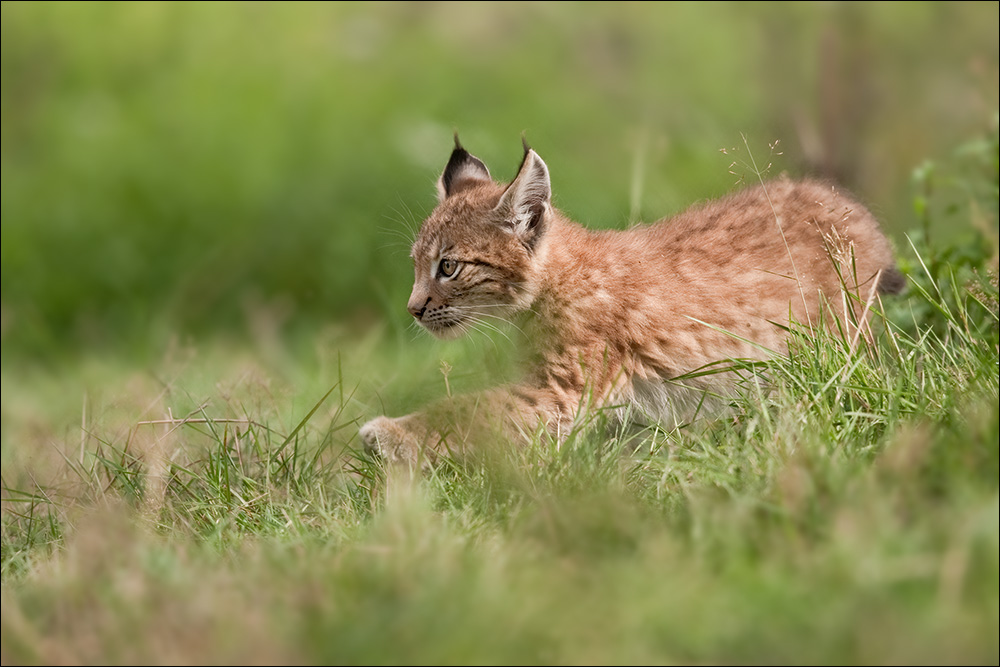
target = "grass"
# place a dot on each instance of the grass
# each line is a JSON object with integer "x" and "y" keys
{"x": 847, "y": 514}
{"x": 202, "y": 279}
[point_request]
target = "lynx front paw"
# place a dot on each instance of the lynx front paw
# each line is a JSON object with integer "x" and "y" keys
{"x": 387, "y": 438}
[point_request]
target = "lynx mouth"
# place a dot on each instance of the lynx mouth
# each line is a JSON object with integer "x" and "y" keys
{"x": 452, "y": 328}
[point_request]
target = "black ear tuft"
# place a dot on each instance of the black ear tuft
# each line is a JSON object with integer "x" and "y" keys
{"x": 463, "y": 168}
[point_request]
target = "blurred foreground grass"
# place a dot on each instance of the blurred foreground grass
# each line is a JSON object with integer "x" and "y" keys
{"x": 203, "y": 281}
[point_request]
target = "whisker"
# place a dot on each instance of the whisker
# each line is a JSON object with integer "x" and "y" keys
{"x": 407, "y": 219}
{"x": 484, "y": 326}
{"x": 481, "y": 316}
{"x": 417, "y": 330}
{"x": 402, "y": 242}
{"x": 484, "y": 329}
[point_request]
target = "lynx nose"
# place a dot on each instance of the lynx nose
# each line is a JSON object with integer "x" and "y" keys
{"x": 417, "y": 308}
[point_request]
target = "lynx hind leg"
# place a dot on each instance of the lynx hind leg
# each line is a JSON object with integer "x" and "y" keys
{"x": 392, "y": 441}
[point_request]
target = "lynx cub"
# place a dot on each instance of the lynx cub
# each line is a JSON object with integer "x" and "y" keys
{"x": 618, "y": 317}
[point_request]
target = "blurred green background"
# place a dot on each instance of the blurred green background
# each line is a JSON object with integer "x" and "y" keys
{"x": 207, "y": 169}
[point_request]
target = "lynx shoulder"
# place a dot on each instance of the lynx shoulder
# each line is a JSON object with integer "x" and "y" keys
{"x": 624, "y": 317}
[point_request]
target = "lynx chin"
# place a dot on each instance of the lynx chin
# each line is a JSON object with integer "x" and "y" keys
{"x": 622, "y": 318}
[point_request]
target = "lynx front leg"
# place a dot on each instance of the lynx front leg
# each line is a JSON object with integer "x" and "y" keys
{"x": 457, "y": 426}
{"x": 420, "y": 438}
{"x": 395, "y": 440}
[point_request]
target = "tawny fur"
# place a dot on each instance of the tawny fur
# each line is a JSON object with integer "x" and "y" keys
{"x": 616, "y": 317}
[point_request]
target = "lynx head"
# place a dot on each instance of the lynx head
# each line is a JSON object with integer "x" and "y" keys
{"x": 476, "y": 257}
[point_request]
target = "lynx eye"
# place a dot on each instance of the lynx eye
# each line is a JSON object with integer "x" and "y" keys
{"x": 447, "y": 267}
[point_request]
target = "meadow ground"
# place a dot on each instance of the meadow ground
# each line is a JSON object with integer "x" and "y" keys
{"x": 205, "y": 217}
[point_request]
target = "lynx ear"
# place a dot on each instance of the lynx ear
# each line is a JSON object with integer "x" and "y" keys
{"x": 527, "y": 199}
{"x": 462, "y": 171}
